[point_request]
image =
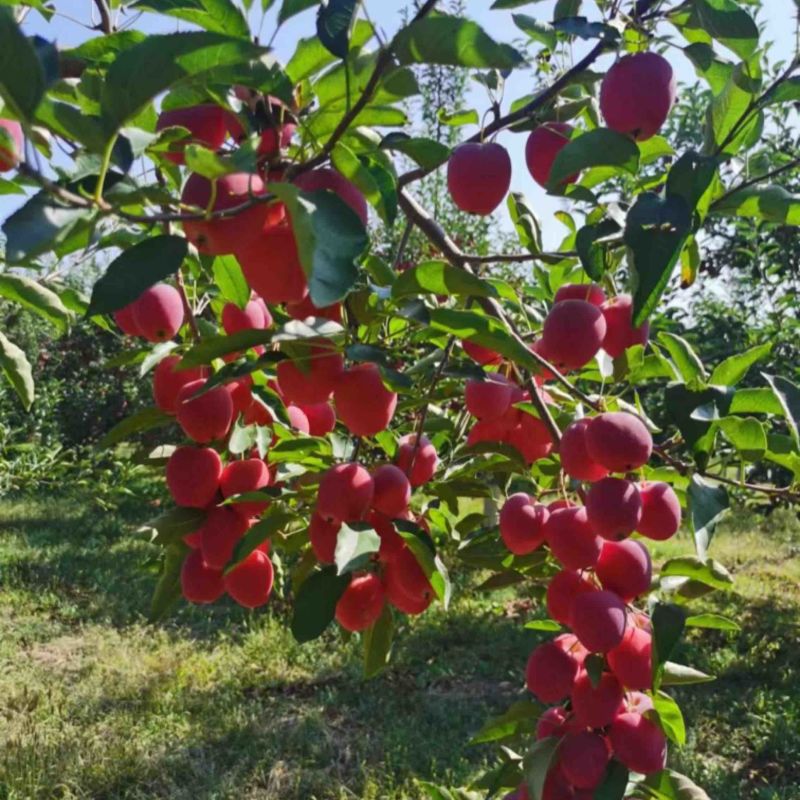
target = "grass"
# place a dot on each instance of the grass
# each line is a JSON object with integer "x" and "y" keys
{"x": 218, "y": 703}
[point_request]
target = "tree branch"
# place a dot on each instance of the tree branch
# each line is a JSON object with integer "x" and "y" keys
{"x": 106, "y": 23}
{"x": 753, "y": 181}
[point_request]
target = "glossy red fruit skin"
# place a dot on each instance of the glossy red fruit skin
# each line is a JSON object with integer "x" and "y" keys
{"x": 550, "y": 672}
{"x": 225, "y": 235}
{"x": 345, "y": 493}
{"x": 10, "y": 157}
{"x": 597, "y": 706}
{"x": 631, "y": 660}
{"x": 589, "y": 292}
{"x": 575, "y": 460}
{"x": 542, "y": 147}
{"x": 637, "y": 94}
{"x": 305, "y": 309}
{"x": 362, "y": 603}
{"x": 274, "y": 140}
{"x": 638, "y": 743}
{"x": 297, "y": 418}
{"x": 619, "y": 441}
{"x": 531, "y": 438}
{"x": 249, "y": 583}
{"x": 312, "y": 377}
{"x": 168, "y": 381}
{"x": 205, "y": 418}
{"x": 661, "y": 511}
{"x": 193, "y": 475}
{"x": 126, "y": 321}
{"x": 479, "y": 176}
{"x": 206, "y": 125}
{"x": 583, "y": 758}
{"x": 620, "y": 333}
{"x": 625, "y": 568}
{"x": 251, "y": 317}
{"x": 271, "y": 265}
{"x": 325, "y": 178}
{"x": 158, "y": 312}
{"x": 522, "y": 524}
{"x": 551, "y": 723}
{"x": 392, "y": 491}
{"x": 321, "y": 418}
{"x": 556, "y": 786}
{"x": 614, "y": 508}
{"x": 419, "y": 463}
{"x": 562, "y": 590}
{"x": 571, "y": 538}
{"x": 363, "y": 404}
{"x": 247, "y": 475}
{"x": 480, "y": 354}
{"x": 219, "y": 535}
{"x": 599, "y": 620}
{"x": 488, "y": 399}
{"x": 573, "y": 333}
{"x": 199, "y": 583}
{"x": 407, "y": 587}
{"x": 323, "y": 536}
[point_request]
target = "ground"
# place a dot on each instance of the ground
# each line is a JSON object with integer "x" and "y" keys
{"x": 218, "y": 703}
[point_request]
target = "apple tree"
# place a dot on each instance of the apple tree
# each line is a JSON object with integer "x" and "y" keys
{"x": 331, "y": 410}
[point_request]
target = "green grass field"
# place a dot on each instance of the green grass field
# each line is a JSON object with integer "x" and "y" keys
{"x": 96, "y": 703}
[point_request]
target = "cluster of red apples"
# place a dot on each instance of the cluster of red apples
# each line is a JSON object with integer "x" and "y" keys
{"x": 636, "y": 96}
{"x": 602, "y": 715}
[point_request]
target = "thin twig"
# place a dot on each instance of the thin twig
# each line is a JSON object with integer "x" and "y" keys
{"x": 753, "y": 181}
{"x": 106, "y": 22}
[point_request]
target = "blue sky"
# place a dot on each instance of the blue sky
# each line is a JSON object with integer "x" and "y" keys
{"x": 779, "y": 28}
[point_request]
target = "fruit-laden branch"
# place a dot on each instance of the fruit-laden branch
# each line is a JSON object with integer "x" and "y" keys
{"x": 432, "y": 230}
{"x": 384, "y": 61}
{"x": 545, "y": 96}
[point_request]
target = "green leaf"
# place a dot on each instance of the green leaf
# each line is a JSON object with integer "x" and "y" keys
{"x": 730, "y": 371}
{"x": 614, "y": 784}
{"x": 755, "y": 401}
{"x": 746, "y": 435}
{"x": 668, "y": 624}
{"x": 136, "y": 269}
{"x": 272, "y": 520}
{"x": 655, "y": 231}
{"x": 727, "y": 109}
{"x": 174, "y": 524}
{"x": 355, "y": 547}
{"x": 766, "y": 203}
{"x": 452, "y": 41}
{"x": 311, "y": 56}
{"x": 330, "y": 237}
{"x": 315, "y": 604}
{"x": 220, "y": 16}
{"x": 520, "y": 718}
{"x": 145, "y": 70}
{"x": 22, "y": 79}
{"x": 788, "y": 395}
{"x": 681, "y": 675}
{"x": 671, "y": 785}
{"x": 537, "y": 763}
{"x": 536, "y": 624}
{"x": 40, "y": 226}
{"x": 729, "y": 24}
{"x": 144, "y": 420}
{"x": 334, "y": 19}
{"x": 686, "y": 360}
{"x": 600, "y": 147}
{"x": 458, "y": 117}
{"x": 594, "y": 257}
{"x": 704, "y": 570}
{"x": 683, "y": 404}
{"x": 231, "y": 282}
{"x": 565, "y": 9}
{"x": 168, "y": 588}
{"x": 378, "y": 643}
{"x": 427, "y": 153}
{"x": 37, "y": 298}
{"x": 439, "y": 277}
{"x": 706, "y": 64}
{"x": 671, "y": 718}
{"x": 707, "y": 504}
{"x": 17, "y": 370}
{"x": 541, "y": 32}
{"x": 291, "y": 7}
{"x": 713, "y": 621}
{"x": 375, "y": 182}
